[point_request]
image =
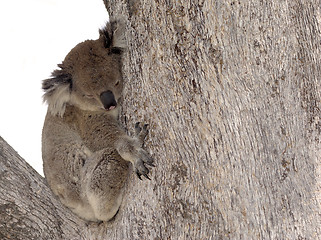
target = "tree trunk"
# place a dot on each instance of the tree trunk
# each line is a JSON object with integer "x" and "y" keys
{"x": 231, "y": 90}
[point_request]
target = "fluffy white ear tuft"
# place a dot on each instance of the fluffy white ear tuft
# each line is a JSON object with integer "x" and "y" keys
{"x": 57, "y": 92}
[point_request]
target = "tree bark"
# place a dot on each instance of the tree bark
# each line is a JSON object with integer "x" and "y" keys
{"x": 231, "y": 90}
{"x": 28, "y": 210}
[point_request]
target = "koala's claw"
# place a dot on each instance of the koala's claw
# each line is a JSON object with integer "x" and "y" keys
{"x": 146, "y": 176}
{"x": 137, "y": 128}
{"x": 141, "y": 170}
{"x": 139, "y": 176}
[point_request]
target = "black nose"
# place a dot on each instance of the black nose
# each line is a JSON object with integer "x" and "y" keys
{"x": 108, "y": 100}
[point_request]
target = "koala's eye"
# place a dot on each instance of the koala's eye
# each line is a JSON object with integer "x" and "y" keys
{"x": 89, "y": 96}
{"x": 117, "y": 83}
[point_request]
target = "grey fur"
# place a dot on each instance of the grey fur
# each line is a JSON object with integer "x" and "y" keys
{"x": 86, "y": 152}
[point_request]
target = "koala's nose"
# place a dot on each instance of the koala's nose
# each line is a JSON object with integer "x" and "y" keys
{"x": 108, "y": 100}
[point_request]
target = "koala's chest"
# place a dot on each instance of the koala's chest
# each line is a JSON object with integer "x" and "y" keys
{"x": 98, "y": 131}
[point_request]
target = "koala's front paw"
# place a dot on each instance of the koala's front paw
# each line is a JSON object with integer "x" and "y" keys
{"x": 144, "y": 157}
{"x": 141, "y": 133}
{"x": 131, "y": 149}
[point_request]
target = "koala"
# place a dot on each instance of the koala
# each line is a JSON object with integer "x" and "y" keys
{"x": 86, "y": 152}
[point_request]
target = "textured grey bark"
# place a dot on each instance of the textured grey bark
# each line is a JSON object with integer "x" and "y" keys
{"x": 231, "y": 90}
{"x": 28, "y": 209}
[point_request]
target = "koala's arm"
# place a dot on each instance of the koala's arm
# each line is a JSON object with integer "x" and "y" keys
{"x": 131, "y": 149}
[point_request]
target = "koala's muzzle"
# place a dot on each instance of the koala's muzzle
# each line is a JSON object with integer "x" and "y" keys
{"x": 108, "y": 100}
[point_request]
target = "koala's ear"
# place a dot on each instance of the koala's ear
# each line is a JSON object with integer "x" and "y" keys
{"x": 113, "y": 35}
{"x": 57, "y": 91}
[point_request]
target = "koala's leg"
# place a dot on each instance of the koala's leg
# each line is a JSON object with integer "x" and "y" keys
{"x": 104, "y": 175}
{"x": 130, "y": 149}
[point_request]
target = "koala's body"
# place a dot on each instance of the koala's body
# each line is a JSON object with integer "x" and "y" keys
{"x": 86, "y": 152}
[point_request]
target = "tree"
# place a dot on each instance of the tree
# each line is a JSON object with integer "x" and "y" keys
{"x": 231, "y": 90}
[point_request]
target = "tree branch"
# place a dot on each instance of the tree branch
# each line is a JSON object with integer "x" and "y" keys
{"x": 28, "y": 209}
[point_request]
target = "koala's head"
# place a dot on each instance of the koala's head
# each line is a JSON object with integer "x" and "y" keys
{"x": 90, "y": 76}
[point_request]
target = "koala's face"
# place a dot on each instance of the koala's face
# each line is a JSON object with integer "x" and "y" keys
{"x": 90, "y": 77}
{"x": 96, "y": 76}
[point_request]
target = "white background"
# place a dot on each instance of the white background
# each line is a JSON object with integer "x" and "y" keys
{"x": 36, "y": 35}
